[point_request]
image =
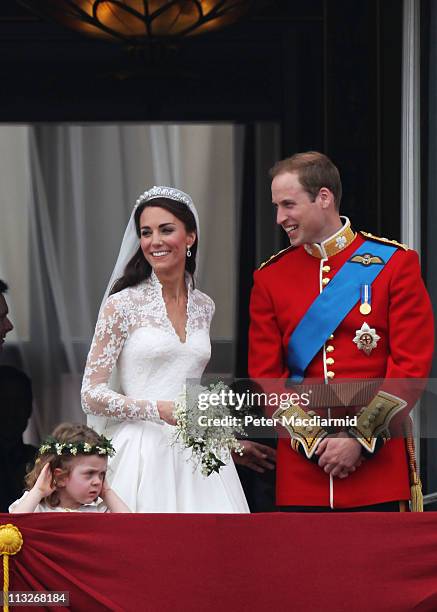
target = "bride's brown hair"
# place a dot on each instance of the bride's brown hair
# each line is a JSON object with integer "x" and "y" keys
{"x": 138, "y": 268}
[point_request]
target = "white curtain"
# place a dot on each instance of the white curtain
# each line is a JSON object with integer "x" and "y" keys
{"x": 78, "y": 184}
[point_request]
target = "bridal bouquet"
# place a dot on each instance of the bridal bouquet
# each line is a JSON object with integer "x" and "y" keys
{"x": 207, "y": 427}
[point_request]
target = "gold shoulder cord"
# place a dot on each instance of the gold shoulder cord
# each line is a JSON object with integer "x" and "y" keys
{"x": 400, "y": 245}
{"x": 273, "y": 257}
{"x": 415, "y": 483}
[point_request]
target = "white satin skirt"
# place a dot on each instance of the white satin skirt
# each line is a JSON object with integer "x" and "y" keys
{"x": 151, "y": 474}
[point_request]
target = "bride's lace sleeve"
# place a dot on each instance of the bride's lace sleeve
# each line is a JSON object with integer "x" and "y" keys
{"x": 97, "y": 398}
{"x": 202, "y": 310}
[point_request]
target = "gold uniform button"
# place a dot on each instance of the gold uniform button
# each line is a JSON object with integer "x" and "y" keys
{"x": 329, "y": 348}
{"x": 326, "y": 269}
{"x": 330, "y": 361}
{"x": 325, "y": 281}
{"x": 330, "y": 374}
{"x": 331, "y": 337}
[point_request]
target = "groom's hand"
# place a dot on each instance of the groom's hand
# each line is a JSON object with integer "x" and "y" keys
{"x": 256, "y": 456}
{"x": 339, "y": 455}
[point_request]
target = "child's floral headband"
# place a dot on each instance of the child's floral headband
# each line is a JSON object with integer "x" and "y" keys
{"x": 54, "y": 447}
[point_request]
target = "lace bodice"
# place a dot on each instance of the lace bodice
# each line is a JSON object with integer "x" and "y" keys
{"x": 134, "y": 333}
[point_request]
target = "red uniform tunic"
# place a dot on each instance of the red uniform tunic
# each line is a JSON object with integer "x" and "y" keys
{"x": 401, "y": 315}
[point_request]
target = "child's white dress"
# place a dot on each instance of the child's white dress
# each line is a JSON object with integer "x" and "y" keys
{"x": 96, "y": 506}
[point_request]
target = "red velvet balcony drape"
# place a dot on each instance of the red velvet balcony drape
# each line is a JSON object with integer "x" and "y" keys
{"x": 303, "y": 562}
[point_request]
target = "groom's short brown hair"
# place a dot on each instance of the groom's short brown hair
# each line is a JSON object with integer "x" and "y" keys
{"x": 314, "y": 170}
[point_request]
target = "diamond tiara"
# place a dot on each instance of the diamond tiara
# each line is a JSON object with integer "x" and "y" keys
{"x": 165, "y": 192}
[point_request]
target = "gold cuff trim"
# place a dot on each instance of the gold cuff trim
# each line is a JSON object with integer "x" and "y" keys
{"x": 375, "y": 418}
{"x": 294, "y": 419}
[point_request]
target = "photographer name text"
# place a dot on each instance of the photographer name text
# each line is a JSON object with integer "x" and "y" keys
{"x": 290, "y": 421}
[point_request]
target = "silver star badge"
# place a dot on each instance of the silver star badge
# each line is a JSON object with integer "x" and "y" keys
{"x": 366, "y": 338}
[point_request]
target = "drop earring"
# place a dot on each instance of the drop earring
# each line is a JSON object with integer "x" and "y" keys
{"x": 188, "y": 251}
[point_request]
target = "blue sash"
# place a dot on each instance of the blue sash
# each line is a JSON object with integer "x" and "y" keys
{"x": 332, "y": 305}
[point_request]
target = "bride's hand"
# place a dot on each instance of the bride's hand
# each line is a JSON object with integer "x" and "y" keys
{"x": 165, "y": 410}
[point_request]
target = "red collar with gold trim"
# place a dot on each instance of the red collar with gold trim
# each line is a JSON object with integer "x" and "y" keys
{"x": 334, "y": 244}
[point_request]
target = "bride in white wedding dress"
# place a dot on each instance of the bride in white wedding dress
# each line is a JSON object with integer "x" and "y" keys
{"x": 152, "y": 335}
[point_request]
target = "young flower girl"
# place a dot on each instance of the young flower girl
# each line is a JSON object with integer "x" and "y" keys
{"x": 69, "y": 474}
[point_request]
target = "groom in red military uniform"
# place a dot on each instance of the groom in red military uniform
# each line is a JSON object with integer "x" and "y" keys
{"x": 339, "y": 304}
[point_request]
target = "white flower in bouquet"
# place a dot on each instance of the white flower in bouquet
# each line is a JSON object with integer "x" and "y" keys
{"x": 209, "y": 431}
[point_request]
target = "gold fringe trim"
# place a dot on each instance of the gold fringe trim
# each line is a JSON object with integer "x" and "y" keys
{"x": 416, "y": 497}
